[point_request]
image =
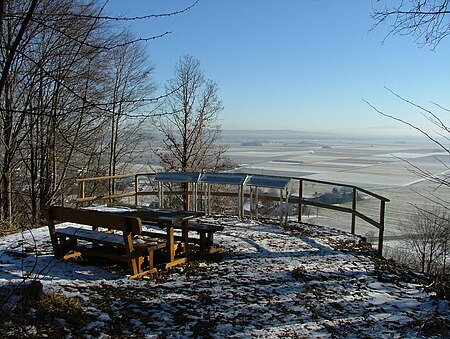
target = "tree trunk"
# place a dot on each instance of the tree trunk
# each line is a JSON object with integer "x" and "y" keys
{"x": 6, "y": 206}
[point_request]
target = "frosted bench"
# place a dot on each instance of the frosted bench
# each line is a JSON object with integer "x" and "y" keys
{"x": 129, "y": 246}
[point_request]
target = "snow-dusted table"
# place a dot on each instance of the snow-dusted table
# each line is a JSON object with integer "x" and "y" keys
{"x": 168, "y": 219}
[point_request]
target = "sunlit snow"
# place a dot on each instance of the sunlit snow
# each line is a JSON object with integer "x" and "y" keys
{"x": 268, "y": 282}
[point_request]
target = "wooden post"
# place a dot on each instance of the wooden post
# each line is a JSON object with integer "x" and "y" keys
{"x": 300, "y": 196}
{"x": 82, "y": 189}
{"x": 381, "y": 231}
{"x": 170, "y": 244}
{"x": 208, "y": 199}
{"x": 187, "y": 197}
{"x": 257, "y": 203}
{"x": 286, "y": 207}
{"x": 51, "y": 227}
{"x": 281, "y": 207}
{"x": 241, "y": 201}
{"x": 133, "y": 261}
{"x": 354, "y": 196}
{"x": 194, "y": 196}
{"x": 160, "y": 194}
{"x": 136, "y": 190}
{"x": 252, "y": 202}
{"x": 205, "y": 199}
{"x": 185, "y": 237}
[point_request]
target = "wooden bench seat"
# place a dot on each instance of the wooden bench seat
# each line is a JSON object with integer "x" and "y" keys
{"x": 205, "y": 231}
{"x": 130, "y": 246}
{"x": 106, "y": 238}
{"x": 206, "y": 235}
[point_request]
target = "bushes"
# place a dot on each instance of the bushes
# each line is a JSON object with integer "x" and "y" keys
{"x": 426, "y": 246}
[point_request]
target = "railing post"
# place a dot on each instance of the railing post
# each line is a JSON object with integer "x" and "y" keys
{"x": 194, "y": 196}
{"x": 354, "y": 198}
{"x": 286, "y": 215}
{"x": 241, "y": 201}
{"x": 281, "y": 207}
{"x": 160, "y": 194}
{"x": 82, "y": 189}
{"x": 257, "y": 203}
{"x": 136, "y": 190}
{"x": 381, "y": 231}
{"x": 300, "y": 197}
{"x": 187, "y": 197}
{"x": 207, "y": 204}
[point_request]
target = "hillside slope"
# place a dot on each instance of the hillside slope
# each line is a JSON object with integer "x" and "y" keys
{"x": 267, "y": 282}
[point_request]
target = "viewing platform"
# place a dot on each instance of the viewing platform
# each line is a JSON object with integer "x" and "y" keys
{"x": 242, "y": 194}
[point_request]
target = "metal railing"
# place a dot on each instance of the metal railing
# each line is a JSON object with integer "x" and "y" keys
{"x": 299, "y": 200}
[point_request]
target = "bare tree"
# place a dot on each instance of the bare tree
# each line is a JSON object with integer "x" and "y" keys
{"x": 191, "y": 135}
{"x": 439, "y": 135}
{"x": 427, "y": 234}
{"x": 46, "y": 95}
{"x": 130, "y": 81}
{"x": 425, "y": 20}
{"x": 14, "y": 101}
{"x": 58, "y": 100}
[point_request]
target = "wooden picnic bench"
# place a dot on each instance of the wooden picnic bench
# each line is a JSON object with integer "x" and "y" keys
{"x": 130, "y": 246}
{"x": 206, "y": 235}
{"x": 176, "y": 251}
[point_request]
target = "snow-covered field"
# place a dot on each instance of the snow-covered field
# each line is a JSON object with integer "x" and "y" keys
{"x": 267, "y": 282}
{"x": 379, "y": 165}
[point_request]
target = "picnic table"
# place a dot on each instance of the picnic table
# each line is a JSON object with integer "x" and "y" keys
{"x": 168, "y": 219}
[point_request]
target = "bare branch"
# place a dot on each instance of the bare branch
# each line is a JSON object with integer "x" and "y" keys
{"x": 420, "y": 130}
{"x": 422, "y": 19}
{"x": 70, "y": 16}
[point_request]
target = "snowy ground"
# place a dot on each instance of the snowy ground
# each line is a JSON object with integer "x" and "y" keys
{"x": 267, "y": 282}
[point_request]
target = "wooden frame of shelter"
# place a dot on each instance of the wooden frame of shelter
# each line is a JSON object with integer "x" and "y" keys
{"x": 234, "y": 179}
{"x": 264, "y": 181}
{"x": 179, "y": 178}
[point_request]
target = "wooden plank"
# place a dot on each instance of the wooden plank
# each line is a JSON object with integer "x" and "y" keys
{"x": 134, "y": 262}
{"x": 143, "y": 273}
{"x": 108, "y": 238}
{"x": 175, "y": 262}
{"x": 154, "y": 235}
{"x": 71, "y": 255}
{"x": 53, "y": 237}
{"x": 185, "y": 237}
{"x": 138, "y": 252}
{"x": 170, "y": 245}
{"x": 196, "y": 226}
{"x": 89, "y": 235}
{"x": 98, "y": 252}
{"x": 105, "y": 197}
{"x": 118, "y": 176}
{"x": 95, "y": 218}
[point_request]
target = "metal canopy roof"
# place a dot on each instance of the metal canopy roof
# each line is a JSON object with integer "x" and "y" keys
{"x": 268, "y": 181}
{"x": 224, "y": 178}
{"x": 179, "y": 177}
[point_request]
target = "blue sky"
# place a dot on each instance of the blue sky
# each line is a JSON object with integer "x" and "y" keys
{"x": 297, "y": 64}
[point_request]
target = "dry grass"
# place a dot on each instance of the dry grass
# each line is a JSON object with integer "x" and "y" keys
{"x": 37, "y": 313}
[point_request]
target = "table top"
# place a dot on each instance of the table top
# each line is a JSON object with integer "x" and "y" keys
{"x": 177, "y": 177}
{"x": 268, "y": 181}
{"x": 224, "y": 178}
{"x": 162, "y": 214}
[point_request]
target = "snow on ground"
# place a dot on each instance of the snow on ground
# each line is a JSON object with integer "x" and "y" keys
{"x": 268, "y": 282}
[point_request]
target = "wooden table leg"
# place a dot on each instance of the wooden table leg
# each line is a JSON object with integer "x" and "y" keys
{"x": 185, "y": 236}
{"x": 170, "y": 244}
